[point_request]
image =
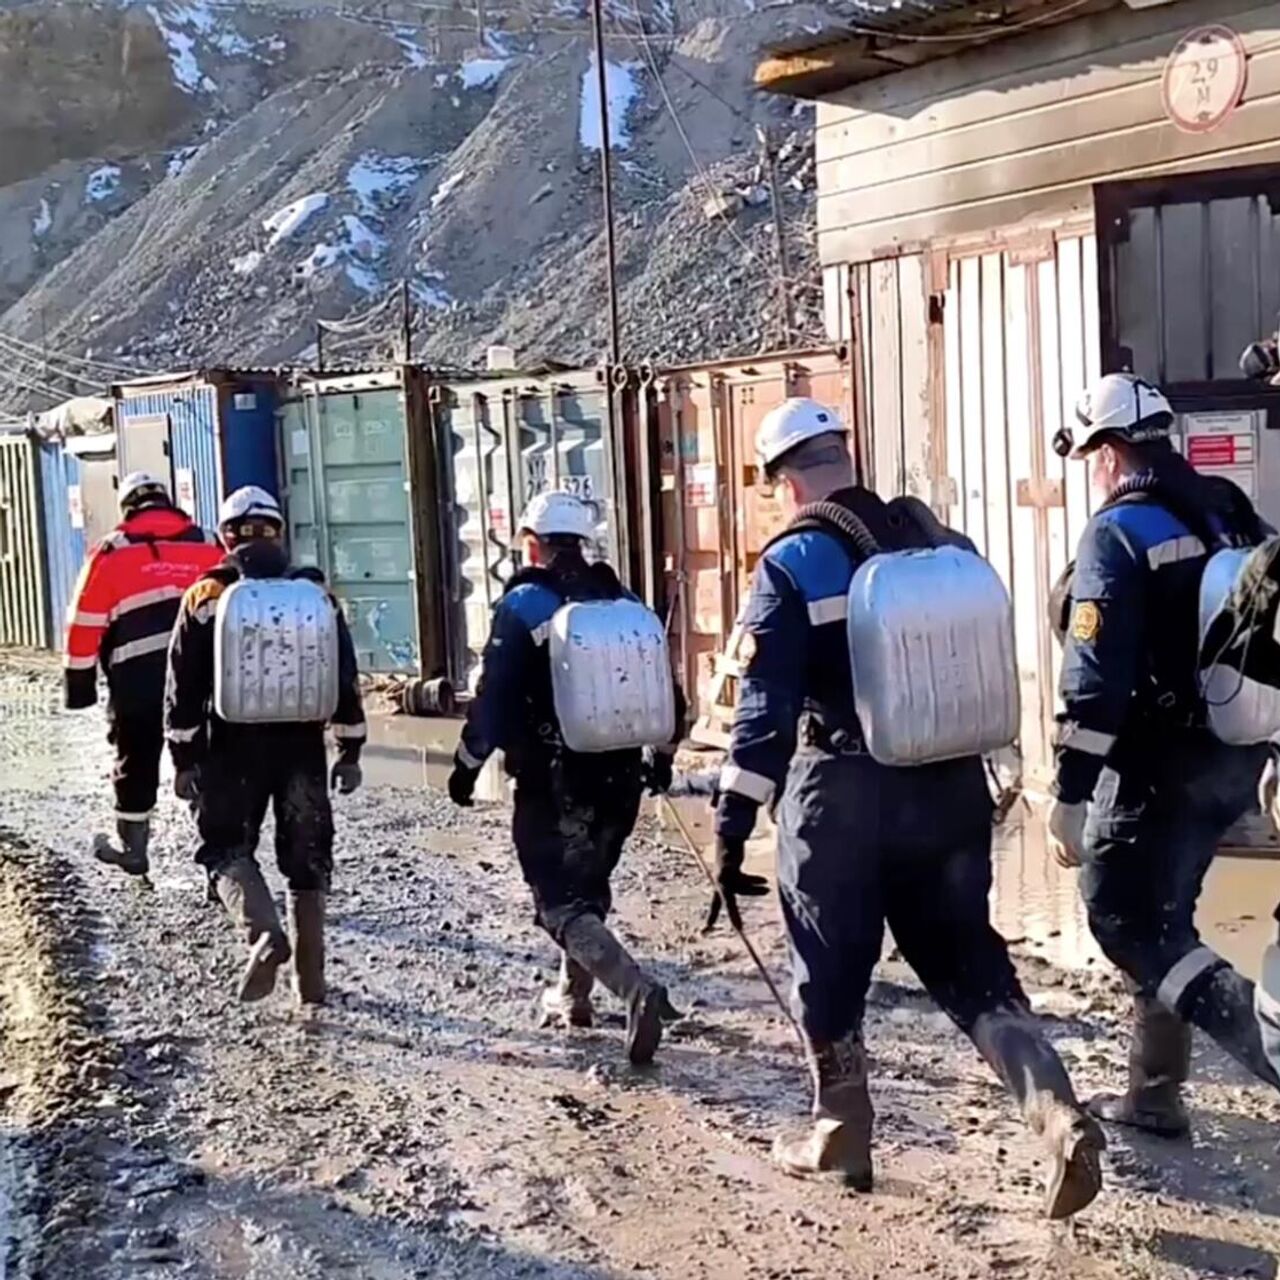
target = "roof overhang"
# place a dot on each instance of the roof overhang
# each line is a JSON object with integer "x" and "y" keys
{"x": 815, "y": 65}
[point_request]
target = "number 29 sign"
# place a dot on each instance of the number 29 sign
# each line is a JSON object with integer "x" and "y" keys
{"x": 1204, "y": 79}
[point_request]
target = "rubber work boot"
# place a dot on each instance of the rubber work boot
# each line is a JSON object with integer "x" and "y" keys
{"x": 244, "y": 894}
{"x": 588, "y": 941}
{"x": 838, "y": 1146}
{"x": 1034, "y": 1074}
{"x": 131, "y": 858}
{"x": 1159, "y": 1063}
{"x": 568, "y": 1003}
{"x": 306, "y": 924}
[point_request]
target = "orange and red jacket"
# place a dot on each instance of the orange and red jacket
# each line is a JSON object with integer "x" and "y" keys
{"x": 125, "y": 605}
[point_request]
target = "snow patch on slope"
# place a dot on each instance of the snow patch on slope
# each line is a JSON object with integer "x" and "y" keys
{"x": 285, "y": 222}
{"x": 43, "y": 220}
{"x": 102, "y": 183}
{"x": 379, "y": 181}
{"x": 482, "y": 73}
{"x": 622, "y": 86}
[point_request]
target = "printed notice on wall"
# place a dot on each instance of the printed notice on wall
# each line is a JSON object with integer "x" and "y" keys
{"x": 299, "y": 445}
{"x": 1223, "y": 444}
{"x": 75, "y": 506}
{"x": 700, "y": 485}
{"x": 184, "y": 490}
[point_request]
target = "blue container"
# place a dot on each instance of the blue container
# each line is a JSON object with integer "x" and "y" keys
{"x": 207, "y": 432}
{"x": 61, "y": 513}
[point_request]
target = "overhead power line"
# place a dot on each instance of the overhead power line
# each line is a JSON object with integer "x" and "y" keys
{"x": 66, "y": 358}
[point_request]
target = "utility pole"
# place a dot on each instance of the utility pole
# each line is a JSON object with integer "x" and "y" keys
{"x": 480, "y": 22}
{"x": 769, "y": 158}
{"x": 606, "y": 186}
{"x": 406, "y": 332}
{"x": 319, "y": 346}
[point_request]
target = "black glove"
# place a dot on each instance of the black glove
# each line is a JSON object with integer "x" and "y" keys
{"x": 732, "y": 882}
{"x": 462, "y": 784}
{"x": 345, "y": 776}
{"x": 186, "y": 785}
{"x": 657, "y": 772}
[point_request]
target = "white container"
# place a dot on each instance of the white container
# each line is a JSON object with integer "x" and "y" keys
{"x": 1241, "y": 711}
{"x": 611, "y": 676}
{"x": 275, "y": 652}
{"x": 931, "y": 643}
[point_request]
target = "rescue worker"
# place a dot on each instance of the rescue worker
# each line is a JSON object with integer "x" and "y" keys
{"x": 232, "y": 772}
{"x": 123, "y": 610}
{"x": 862, "y": 844}
{"x": 1144, "y": 792}
{"x": 573, "y": 811}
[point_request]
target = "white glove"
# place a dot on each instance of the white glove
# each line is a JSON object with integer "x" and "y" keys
{"x": 1066, "y": 832}
{"x": 1268, "y": 788}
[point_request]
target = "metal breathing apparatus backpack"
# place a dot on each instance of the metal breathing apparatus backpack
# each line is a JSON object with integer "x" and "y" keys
{"x": 275, "y": 652}
{"x": 930, "y": 633}
{"x": 611, "y": 682}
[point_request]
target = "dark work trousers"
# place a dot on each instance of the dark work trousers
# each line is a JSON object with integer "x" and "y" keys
{"x": 138, "y": 738}
{"x": 569, "y": 835}
{"x": 1149, "y": 839}
{"x": 249, "y": 767}
{"x": 859, "y": 845}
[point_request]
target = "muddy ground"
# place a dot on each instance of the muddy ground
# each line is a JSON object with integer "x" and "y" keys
{"x": 423, "y": 1126}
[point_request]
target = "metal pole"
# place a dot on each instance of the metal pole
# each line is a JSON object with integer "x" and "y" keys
{"x": 775, "y": 196}
{"x": 319, "y": 346}
{"x": 406, "y": 333}
{"x": 606, "y": 187}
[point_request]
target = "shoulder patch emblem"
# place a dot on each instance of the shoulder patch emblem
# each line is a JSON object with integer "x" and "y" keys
{"x": 200, "y": 592}
{"x": 1086, "y": 622}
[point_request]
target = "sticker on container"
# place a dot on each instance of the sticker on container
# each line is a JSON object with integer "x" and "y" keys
{"x": 184, "y": 490}
{"x": 299, "y": 445}
{"x": 75, "y": 506}
{"x": 700, "y": 485}
{"x": 1223, "y": 444}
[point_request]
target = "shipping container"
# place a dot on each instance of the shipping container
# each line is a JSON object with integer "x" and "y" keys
{"x": 24, "y": 596}
{"x": 500, "y": 442}
{"x": 717, "y": 515}
{"x": 62, "y": 519}
{"x": 359, "y": 480}
{"x": 93, "y": 496}
{"x": 205, "y": 432}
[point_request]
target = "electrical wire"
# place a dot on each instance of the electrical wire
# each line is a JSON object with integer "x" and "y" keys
{"x": 66, "y": 358}
{"x": 34, "y": 363}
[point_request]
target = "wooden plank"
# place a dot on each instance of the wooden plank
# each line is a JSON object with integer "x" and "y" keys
{"x": 1051, "y": 394}
{"x": 886, "y": 378}
{"x": 998, "y": 497}
{"x": 1233, "y": 289}
{"x": 1071, "y": 357}
{"x": 1024, "y": 579}
{"x": 954, "y": 397}
{"x": 1185, "y": 308}
{"x": 985, "y": 84}
{"x": 975, "y": 509}
{"x": 917, "y": 434}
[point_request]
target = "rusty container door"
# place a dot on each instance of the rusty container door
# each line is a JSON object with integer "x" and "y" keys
{"x": 718, "y": 515}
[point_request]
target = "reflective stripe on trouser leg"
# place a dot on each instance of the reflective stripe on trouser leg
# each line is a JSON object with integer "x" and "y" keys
{"x": 1192, "y": 966}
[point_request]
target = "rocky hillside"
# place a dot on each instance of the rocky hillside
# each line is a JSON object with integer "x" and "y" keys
{"x": 194, "y": 182}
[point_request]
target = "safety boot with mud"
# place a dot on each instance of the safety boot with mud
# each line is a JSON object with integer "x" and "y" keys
{"x": 837, "y": 1147}
{"x": 588, "y": 943}
{"x": 568, "y": 1003}
{"x": 1034, "y": 1074}
{"x": 244, "y": 893}
{"x": 1159, "y": 1064}
{"x": 131, "y": 857}
{"x": 306, "y": 924}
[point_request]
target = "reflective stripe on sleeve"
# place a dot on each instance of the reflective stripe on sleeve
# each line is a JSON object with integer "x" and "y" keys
{"x": 755, "y": 786}
{"x": 1173, "y": 550}
{"x": 86, "y": 619}
{"x": 140, "y": 599}
{"x": 121, "y": 816}
{"x": 467, "y": 758}
{"x": 139, "y": 648}
{"x": 79, "y": 664}
{"x": 183, "y": 735}
{"x": 1075, "y": 737}
{"x": 1192, "y": 966}
{"x": 828, "y": 609}
{"x": 350, "y": 732}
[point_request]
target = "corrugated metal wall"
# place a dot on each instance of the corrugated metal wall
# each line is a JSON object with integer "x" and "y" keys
{"x": 64, "y": 532}
{"x": 1021, "y": 341}
{"x": 24, "y": 601}
{"x": 194, "y": 468}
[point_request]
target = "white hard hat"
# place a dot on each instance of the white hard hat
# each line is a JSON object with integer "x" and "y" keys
{"x": 248, "y": 503}
{"x": 139, "y": 485}
{"x": 793, "y": 422}
{"x": 557, "y": 512}
{"x": 1120, "y": 404}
